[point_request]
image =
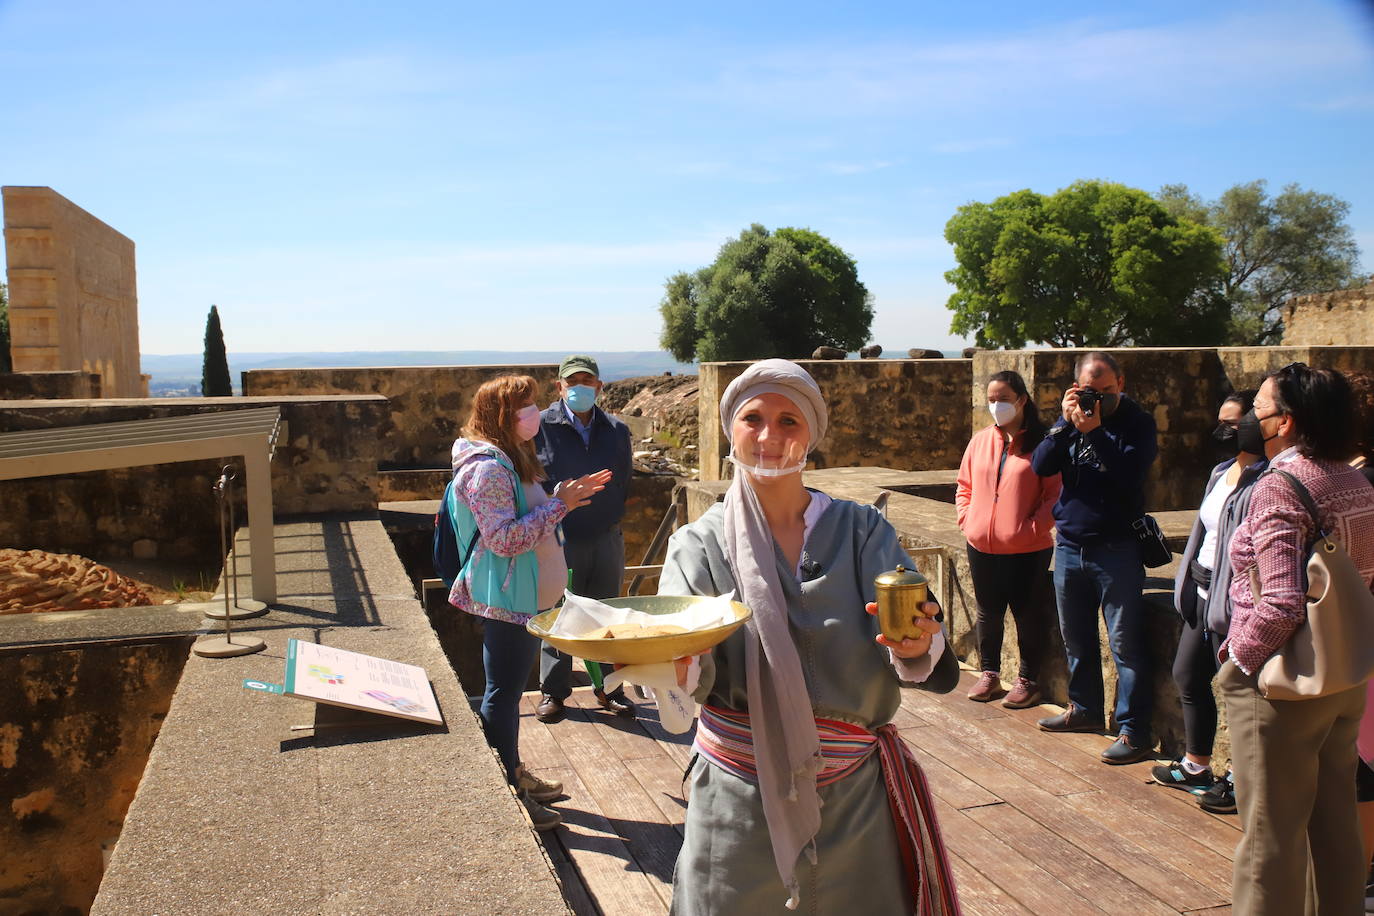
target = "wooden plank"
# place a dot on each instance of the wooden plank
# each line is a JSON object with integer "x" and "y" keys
{"x": 972, "y": 760}
{"x": 949, "y": 784}
{"x": 538, "y": 747}
{"x": 906, "y": 717}
{"x": 1033, "y": 886}
{"x": 678, "y": 747}
{"x": 1106, "y": 844}
{"x": 574, "y": 889}
{"x": 1086, "y": 875}
{"x": 609, "y": 871}
{"x": 1172, "y": 847}
{"x": 652, "y": 840}
{"x": 627, "y": 738}
{"x": 978, "y": 896}
{"x": 661, "y": 778}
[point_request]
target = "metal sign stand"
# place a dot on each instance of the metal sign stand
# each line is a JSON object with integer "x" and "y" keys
{"x": 227, "y": 646}
{"x": 242, "y": 608}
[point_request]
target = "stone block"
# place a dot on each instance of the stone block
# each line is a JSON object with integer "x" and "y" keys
{"x": 144, "y": 549}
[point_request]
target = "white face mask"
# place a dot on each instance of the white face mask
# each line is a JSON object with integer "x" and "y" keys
{"x": 774, "y": 468}
{"x": 526, "y": 423}
{"x": 1003, "y": 412}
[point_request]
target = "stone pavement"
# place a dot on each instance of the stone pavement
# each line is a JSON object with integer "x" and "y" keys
{"x": 239, "y": 812}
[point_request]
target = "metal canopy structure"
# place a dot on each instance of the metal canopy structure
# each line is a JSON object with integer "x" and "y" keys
{"x": 250, "y": 433}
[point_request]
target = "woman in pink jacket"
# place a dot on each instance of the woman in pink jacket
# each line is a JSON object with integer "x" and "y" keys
{"x": 1005, "y": 511}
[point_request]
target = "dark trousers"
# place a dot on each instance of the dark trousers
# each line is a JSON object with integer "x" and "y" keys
{"x": 597, "y": 566}
{"x": 1016, "y": 580}
{"x": 508, "y": 654}
{"x": 1106, "y": 575}
{"x": 1195, "y": 664}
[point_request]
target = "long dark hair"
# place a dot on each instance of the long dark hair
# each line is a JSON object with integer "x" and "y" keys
{"x": 1031, "y": 424}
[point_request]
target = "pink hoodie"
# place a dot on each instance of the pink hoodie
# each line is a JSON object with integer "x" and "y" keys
{"x": 1012, "y": 515}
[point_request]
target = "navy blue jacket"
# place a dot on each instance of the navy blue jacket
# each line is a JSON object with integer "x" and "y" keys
{"x": 564, "y": 457}
{"x": 1103, "y": 474}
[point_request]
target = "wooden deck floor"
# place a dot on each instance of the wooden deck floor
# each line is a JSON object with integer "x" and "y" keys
{"x": 1035, "y": 822}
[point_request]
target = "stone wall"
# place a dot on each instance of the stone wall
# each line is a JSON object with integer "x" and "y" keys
{"x": 897, "y": 413}
{"x": 29, "y": 386}
{"x": 1341, "y": 318}
{"x": 326, "y": 460}
{"x": 76, "y": 728}
{"x": 72, "y": 291}
{"x": 428, "y": 404}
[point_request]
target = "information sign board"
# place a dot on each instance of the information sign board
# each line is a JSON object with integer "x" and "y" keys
{"x": 356, "y": 681}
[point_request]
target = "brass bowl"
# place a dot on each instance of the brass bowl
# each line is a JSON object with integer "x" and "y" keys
{"x": 644, "y": 650}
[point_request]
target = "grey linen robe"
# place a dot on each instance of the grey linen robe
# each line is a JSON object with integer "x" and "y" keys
{"x": 726, "y": 864}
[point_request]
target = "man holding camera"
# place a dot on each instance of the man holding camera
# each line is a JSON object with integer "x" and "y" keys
{"x": 1103, "y": 445}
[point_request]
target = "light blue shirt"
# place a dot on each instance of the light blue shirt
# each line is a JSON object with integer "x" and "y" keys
{"x": 583, "y": 430}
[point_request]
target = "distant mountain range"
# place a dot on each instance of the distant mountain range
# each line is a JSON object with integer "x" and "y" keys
{"x": 179, "y": 374}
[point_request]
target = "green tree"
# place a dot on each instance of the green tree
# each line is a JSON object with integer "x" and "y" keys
{"x": 1095, "y": 264}
{"x": 214, "y": 373}
{"x": 783, "y": 293}
{"x": 1295, "y": 243}
{"x": 5, "y": 364}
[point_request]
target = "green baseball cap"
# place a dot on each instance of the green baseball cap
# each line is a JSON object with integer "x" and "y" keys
{"x": 578, "y": 363}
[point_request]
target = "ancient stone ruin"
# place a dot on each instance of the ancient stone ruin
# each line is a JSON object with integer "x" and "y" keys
{"x": 35, "y": 580}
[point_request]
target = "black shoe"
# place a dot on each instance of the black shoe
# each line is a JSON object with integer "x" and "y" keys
{"x": 1072, "y": 719}
{"x": 616, "y": 703}
{"x": 1123, "y": 751}
{"x": 1176, "y": 777}
{"x": 550, "y": 709}
{"x": 1220, "y": 798}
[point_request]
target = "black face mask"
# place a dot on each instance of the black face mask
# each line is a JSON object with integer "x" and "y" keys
{"x": 1249, "y": 437}
{"x": 1225, "y": 437}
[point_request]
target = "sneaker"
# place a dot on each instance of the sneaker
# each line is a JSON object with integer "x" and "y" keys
{"x": 615, "y": 702}
{"x": 1176, "y": 777}
{"x": 1024, "y": 694}
{"x": 1123, "y": 750}
{"x": 988, "y": 688}
{"x": 550, "y": 709}
{"x": 541, "y": 790}
{"x": 540, "y": 817}
{"x": 1072, "y": 719}
{"x": 1220, "y": 798}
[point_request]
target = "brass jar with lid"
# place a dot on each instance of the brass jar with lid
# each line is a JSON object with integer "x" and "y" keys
{"x": 901, "y": 593}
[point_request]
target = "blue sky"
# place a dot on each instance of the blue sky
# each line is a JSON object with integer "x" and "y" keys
{"x": 354, "y": 176}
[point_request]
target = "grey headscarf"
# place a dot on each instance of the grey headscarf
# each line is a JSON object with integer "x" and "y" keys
{"x": 786, "y": 747}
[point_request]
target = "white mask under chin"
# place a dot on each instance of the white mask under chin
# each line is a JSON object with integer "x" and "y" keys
{"x": 759, "y": 471}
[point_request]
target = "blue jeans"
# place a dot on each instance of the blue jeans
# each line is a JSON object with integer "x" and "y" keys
{"x": 508, "y": 654}
{"x": 1107, "y": 575}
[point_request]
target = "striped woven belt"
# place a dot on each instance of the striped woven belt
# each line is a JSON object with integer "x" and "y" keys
{"x": 725, "y": 738}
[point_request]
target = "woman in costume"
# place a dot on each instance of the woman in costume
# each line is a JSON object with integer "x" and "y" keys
{"x": 801, "y": 790}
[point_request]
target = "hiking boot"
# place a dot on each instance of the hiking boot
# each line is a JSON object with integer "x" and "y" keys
{"x": 615, "y": 702}
{"x": 1123, "y": 750}
{"x": 988, "y": 688}
{"x": 540, "y": 817}
{"x": 1071, "y": 719}
{"x": 1176, "y": 777}
{"x": 1024, "y": 694}
{"x": 1220, "y": 798}
{"x": 550, "y": 709}
{"x": 541, "y": 790}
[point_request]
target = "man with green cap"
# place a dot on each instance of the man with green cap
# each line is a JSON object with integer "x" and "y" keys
{"x": 577, "y": 437}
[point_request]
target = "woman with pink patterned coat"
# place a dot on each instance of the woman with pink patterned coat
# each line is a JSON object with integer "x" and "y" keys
{"x": 1294, "y": 760}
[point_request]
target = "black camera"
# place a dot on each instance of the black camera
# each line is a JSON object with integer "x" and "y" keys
{"x": 1089, "y": 398}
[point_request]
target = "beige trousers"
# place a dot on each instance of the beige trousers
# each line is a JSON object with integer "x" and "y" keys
{"x": 1294, "y": 764}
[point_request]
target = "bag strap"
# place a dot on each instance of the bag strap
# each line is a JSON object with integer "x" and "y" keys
{"x": 449, "y": 494}
{"x": 1308, "y": 502}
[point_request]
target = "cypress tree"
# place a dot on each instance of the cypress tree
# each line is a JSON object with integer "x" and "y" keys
{"x": 5, "y": 364}
{"x": 214, "y": 373}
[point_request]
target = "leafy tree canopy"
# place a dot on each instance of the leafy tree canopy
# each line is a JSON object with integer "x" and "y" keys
{"x": 1095, "y": 264}
{"x": 1289, "y": 245}
{"x": 783, "y": 293}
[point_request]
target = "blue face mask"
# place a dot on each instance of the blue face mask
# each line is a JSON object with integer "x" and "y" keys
{"x": 580, "y": 398}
